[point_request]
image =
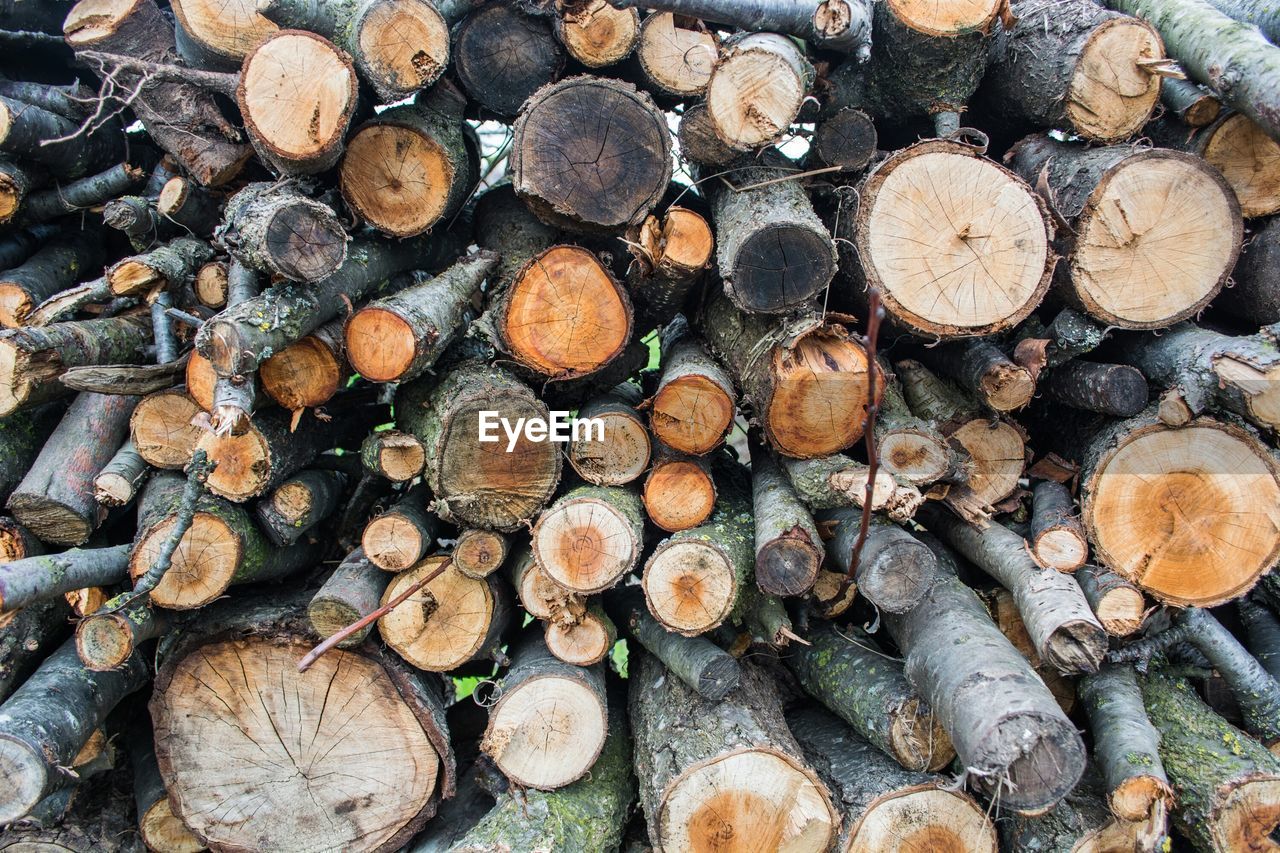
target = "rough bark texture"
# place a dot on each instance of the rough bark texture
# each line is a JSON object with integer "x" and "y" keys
{"x": 672, "y": 253}
{"x": 842, "y": 25}
{"x": 171, "y": 267}
{"x": 893, "y": 571}
{"x": 56, "y": 266}
{"x": 26, "y": 126}
{"x": 836, "y": 481}
{"x": 788, "y": 547}
{"x": 353, "y": 591}
{"x": 1109, "y": 389}
{"x": 275, "y": 228}
{"x": 1263, "y": 629}
{"x": 702, "y": 665}
{"x": 299, "y": 504}
{"x": 27, "y": 637}
{"x": 22, "y": 435}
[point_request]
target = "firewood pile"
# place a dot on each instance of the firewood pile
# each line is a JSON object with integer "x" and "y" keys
{"x": 687, "y": 425}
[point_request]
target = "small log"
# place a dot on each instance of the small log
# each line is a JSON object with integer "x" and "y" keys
{"x": 702, "y": 665}
{"x": 885, "y": 807}
{"x": 118, "y": 482}
{"x": 502, "y": 55}
{"x": 1057, "y": 537}
{"x": 32, "y": 359}
{"x": 27, "y": 636}
{"x": 308, "y": 372}
{"x": 404, "y": 534}
{"x": 479, "y": 553}
{"x": 55, "y": 500}
{"x": 626, "y": 163}
{"x": 211, "y": 284}
{"x": 1263, "y": 629}
{"x": 1195, "y": 105}
{"x": 912, "y": 450}
{"x": 188, "y": 205}
{"x": 105, "y": 640}
{"x": 1118, "y": 604}
{"x": 1087, "y": 182}
{"x": 846, "y": 138}
{"x": 399, "y": 337}
{"x": 698, "y": 141}
{"x": 87, "y": 192}
{"x": 24, "y": 127}
{"x": 672, "y": 253}
{"x": 539, "y": 596}
{"x": 300, "y": 503}
{"x": 136, "y": 216}
{"x": 451, "y": 621}
{"x": 805, "y": 379}
{"x": 583, "y": 642}
{"x": 772, "y": 250}
{"x": 161, "y": 830}
{"x": 623, "y": 452}
{"x": 550, "y": 723}
{"x": 162, "y": 431}
{"x": 171, "y": 267}
{"x": 991, "y": 215}
{"x": 399, "y": 46}
{"x": 757, "y": 86}
{"x": 22, "y": 435}
{"x": 836, "y": 481}
{"x": 692, "y": 411}
{"x": 475, "y": 484}
{"x": 1181, "y": 532}
{"x": 595, "y": 33}
{"x": 222, "y": 547}
{"x": 352, "y": 592}
{"x": 1255, "y": 298}
{"x": 55, "y": 266}
{"x": 851, "y": 676}
{"x": 230, "y": 672}
{"x": 788, "y": 547}
{"x": 1125, "y": 744}
{"x": 1081, "y": 821}
{"x": 675, "y": 57}
{"x": 679, "y": 491}
{"x": 982, "y": 369}
{"x": 590, "y": 537}
{"x": 727, "y": 769}
{"x": 1023, "y": 748}
{"x": 47, "y": 721}
{"x": 893, "y": 571}
{"x": 397, "y": 456}
{"x": 1226, "y": 784}
{"x": 843, "y": 26}
{"x": 1109, "y": 389}
{"x": 275, "y": 228}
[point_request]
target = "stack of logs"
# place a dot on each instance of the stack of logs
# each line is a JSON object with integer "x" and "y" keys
{"x": 921, "y": 485}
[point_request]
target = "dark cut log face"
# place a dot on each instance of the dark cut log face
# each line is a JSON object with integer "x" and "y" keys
{"x": 307, "y": 247}
{"x": 778, "y": 266}
{"x": 529, "y": 56}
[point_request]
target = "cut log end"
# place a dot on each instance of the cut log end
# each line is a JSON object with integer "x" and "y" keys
{"x": 397, "y": 178}
{"x": 915, "y": 456}
{"x": 1138, "y": 797}
{"x": 302, "y": 375}
{"x": 679, "y": 495}
{"x": 162, "y": 429}
{"x": 597, "y": 34}
{"x": 381, "y": 345}
{"x": 1250, "y": 161}
{"x": 104, "y": 642}
{"x": 546, "y": 732}
{"x": 444, "y": 624}
{"x": 211, "y": 285}
{"x": 922, "y": 817}
{"x": 847, "y": 139}
{"x": 581, "y": 643}
{"x": 946, "y": 19}
{"x": 756, "y": 91}
{"x": 15, "y": 305}
{"x": 677, "y": 59}
{"x": 203, "y": 566}
{"x": 24, "y": 772}
{"x": 50, "y": 520}
{"x": 1062, "y": 548}
{"x": 998, "y": 453}
{"x": 1006, "y": 387}
{"x": 819, "y": 395}
{"x": 779, "y": 265}
{"x": 788, "y": 565}
{"x": 163, "y": 831}
{"x": 585, "y": 544}
{"x": 404, "y": 46}
{"x": 692, "y": 413}
{"x": 1247, "y": 815}
{"x": 479, "y": 553}
{"x": 228, "y": 30}
{"x": 1121, "y": 611}
{"x": 622, "y": 455}
{"x": 917, "y": 738}
{"x": 393, "y": 543}
{"x": 690, "y": 586}
{"x": 1111, "y": 94}
{"x": 398, "y": 456}
{"x": 243, "y": 464}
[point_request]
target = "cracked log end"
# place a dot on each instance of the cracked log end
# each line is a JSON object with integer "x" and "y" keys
{"x": 678, "y": 494}
{"x": 596, "y": 34}
{"x": 819, "y": 394}
{"x": 998, "y": 454}
{"x": 690, "y": 586}
{"x": 162, "y": 430}
{"x": 1110, "y": 95}
{"x": 104, "y": 642}
{"x": 1250, "y": 161}
{"x": 922, "y": 817}
{"x": 304, "y": 374}
{"x": 393, "y": 542}
{"x": 623, "y": 454}
{"x": 204, "y": 565}
{"x": 586, "y": 544}
{"x": 692, "y": 414}
{"x": 479, "y": 553}
{"x": 756, "y": 90}
{"x": 676, "y": 58}
{"x": 398, "y": 456}
{"x": 397, "y": 177}
{"x": 403, "y": 46}
{"x": 444, "y": 624}
{"x": 228, "y": 29}
{"x": 583, "y": 642}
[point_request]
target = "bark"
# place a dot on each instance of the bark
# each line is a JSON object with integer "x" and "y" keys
{"x": 308, "y": 372}
{"x": 1255, "y": 297}
{"x": 1263, "y": 630}
{"x": 26, "y": 127}
{"x": 1063, "y": 630}
{"x": 250, "y": 648}
{"x": 772, "y": 250}
{"x": 105, "y": 640}
{"x": 352, "y": 592}
{"x": 533, "y": 747}
{"x": 399, "y": 337}
{"x": 1194, "y": 105}
{"x": 623, "y": 453}
{"x": 851, "y": 676}
{"x": 590, "y": 537}
{"x": 1226, "y": 784}
{"x": 63, "y": 306}
{"x": 597, "y": 177}
{"x": 503, "y": 224}
{"x": 887, "y": 808}
{"x": 744, "y": 115}
{"x": 679, "y": 491}
{"x": 692, "y": 410}
{"x": 22, "y": 435}
{"x": 118, "y": 482}
{"x": 161, "y": 428}
{"x": 404, "y": 534}
{"x": 20, "y": 244}
{"x": 683, "y": 742}
{"x": 1070, "y": 335}
{"x": 160, "y": 828}
{"x": 1109, "y": 389}
{"x": 837, "y": 481}
{"x": 185, "y": 203}
{"x": 475, "y": 484}
{"x": 1056, "y": 537}
{"x": 503, "y": 55}
{"x": 412, "y": 166}
{"x": 397, "y": 456}
{"x": 56, "y": 266}
{"x": 698, "y": 141}
{"x": 804, "y": 379}
{"x": 565, "y": 393}
{"x": 1081, "y": 822}
{"x": 136, "y": 216}
{"x": 300, "y": 503}
{"x": 1125, "y": 744}
{"x": 171, "y": 267}
{"x": 50, "y": 718}
{"x": 702, "y": 665}
{"x": 1006, "y": 726}
{"x": 843, "y": 25}
{"x": 671, "y": 254}
{"x": 275, "y": 228}
{"x": 1083, "y": 184}
{"x": 55, "y": 500}
{"x": 893, "y": 571}
{"x": 368, "y": 30}
{"x": 1074, "y": 66}
{"x": 27, "y": 636}
{"x": 240, "y": 339}
{"x": 788, "y": 547}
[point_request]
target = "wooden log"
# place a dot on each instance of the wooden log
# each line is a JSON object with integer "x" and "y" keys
{"x": 1076, "y": 67}
{"x": 757, "y": 86}
{"x": 162, "y": 431}
{"x": 911, "y": 449}
{"x": 672, "y": 253}
{"x": 1057, "y": 537}
{"x": 595, "y": 33}
{"x": 399, "y": 46}
{"x": 1003, "y": 608}
{"x": 1194, "y": 105}
{"x": 55, "y": 500}
{"x": 399, "y": 337}
{"x": 679, "y": 491}
{"x": 223, "y": 682}
{"x": 47, "y": 721}
{"x": 722, "y": 770}
{"x": 850, "y": 675}
{"x": 675, "y": 56}
{"x": 702, "y": 665}
{"x": 181, "y": 118}
{"x": 1226, "y": 784}
{"x": 352, "y": 592}
{"x": 16, "y": 542}
{"x": 788, "y": 547}
{"x": 503, "y": 55}
{"x": 836, "y": 481}
{"x": 222, "y": 547}
{"x": 1182, "y": 532}
{"x": 20, "y": 244}
{"x": 22, "y": 435}
{"x": 32, "y": 359}
{"x": 39, "y": 578}
{"x": 118, "y": 482}
{"x": 412, "y": 166}
{"x": 275, "y": 228}
{"x": 982, "y": 368}
{"x": 698, "y": 141}
{"x": 1024, "y": 748}
{"x": 845, "y": 138}
{"x": 24, "y": 127}
{"x": 1110, "y": 389}
{"x": 503, "y": 224}
{"x": 1238, "y": 148}
{"x": 27, "y": 636}
{"x": 136, "y": 216}
{"x": 693, "y": 408}
{"x": 893, "y": 571}
{"x": 481, "y": 484}
{"x": 1255, "y": 298}
{"x": 1125, "y": 744}
{"x": 300, "y": 503}
{"x": 404, "y": 534}
{"x": 479, "y": 553}
{"x": 1263, "y": 630}
{"x": 172, "y": 267}
{"x": 991, "y": 215}
{"x": 693, "y": 578}
{"x": 55, "y": 266}
{"x": 538, "y": 594}
{"x": 590, "y": 537}
{"x": 622, "y": 453}
{"x": 308, "y": 372}
{"x": 185, "y": 203}
{"x": 397, "y": 456}
{"x": 805, "y": 379}
{"x": 106, "y": 639}
{"x": 1081, "y": 821}
{"x": 1087, "y": 183}
{"x": 161, "y": 830}
{"x": 219, "y": 38}
{"x": 843, "y": 26}
{"x": 549, "y": 725}
{"x": 585, "y": 641}
{"x": 211, "y": 284}
{"x": 886, "y": 808}
{"x": 625, "y": 164}
{"x": 1116, "y": 602}
{"x": 451, "y": 621}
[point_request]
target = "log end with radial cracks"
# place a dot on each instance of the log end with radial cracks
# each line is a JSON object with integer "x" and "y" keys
{"x": 678, "y": 494}
{"x": 819, "y": 395}
{"x": 596, "y": 33}
{"x": 1111, "y": 95}
{"x": 587, "y": 543}
{"x": 104, "y": 641}
{"x": 690, "y": 586}
{"x": 245, "y": 464}
{"x": 398, "y": 177}
{"x": 620, "y": 456}
{"x": 946, "y": 20}
{"x": 443, "y": 625}
{"x": 997, "y": 451}
{"x": 403, "y": 46}
{"x": 692, "y": 413}
{"x": 203, "y": 566}
{"x": 479, "y": 553}
{"x": 393, "y": 542}
{"x": 1250, "y": 161}
{"x": 756, "y": 89}
{"x": 227, "y": 31}
{"x": 162, "y": 428}
{"x": 676, "y": 54}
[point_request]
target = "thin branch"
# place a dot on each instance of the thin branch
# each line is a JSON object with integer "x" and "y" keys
{"x": 875, "y": 315}
{"x": 215, "y": 81}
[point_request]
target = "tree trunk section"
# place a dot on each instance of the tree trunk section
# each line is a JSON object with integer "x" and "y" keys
{"x": 352, "y": 592}
{"x": 170, "y": 267}
{"x": 1057, "y": 537}
{"x": 672, "y": 253}
{"x": 590, "y": 537}
{"x": 585, "y": 641}
{"x": 692, "y": 411}
{"x": 622, "y": 454}
{"x": 982, "y": 369}
{"x": 679, "y": 491}
{"x": 274, "y": 228}
{"x": 788, "y": 548}
{"x": 118, "y": 482}
{"x": 161, "y": 428}
{"x": 1109, "y": 389}
{"x": 1242, "y": 151}
{"x": 675, "y": 58}
{"x": 300, "y": 503}
{"x": 502, "y": 56}
{"x": 911, "y": 449}
{"x": 404, "y": 534}
{"x": 836, "y": 481}
{"x": 56, "y": 266}
{"x": 756, "y": 89}
{"x": 308, "y": 372}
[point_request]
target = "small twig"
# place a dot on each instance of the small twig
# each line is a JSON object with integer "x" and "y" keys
{"x": 183, "y": 317}
{"x": 875, "y": 315}
{"x": 314, "y": 655}
{"x": 215, "y": 81}
{"x": 792, "y": 177}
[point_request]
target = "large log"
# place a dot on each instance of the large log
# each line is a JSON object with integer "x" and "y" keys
{"x": 219, "y": 37}
{"x": 1236, "y": 146}
{"x": 757, "y": 87}
{"x": 502, "y": 55}
{"x": 675, "y": 57}
{"x": 161, "y": 830}
{"x": 590, "y": 537}
{"x": 231, "y": 709}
